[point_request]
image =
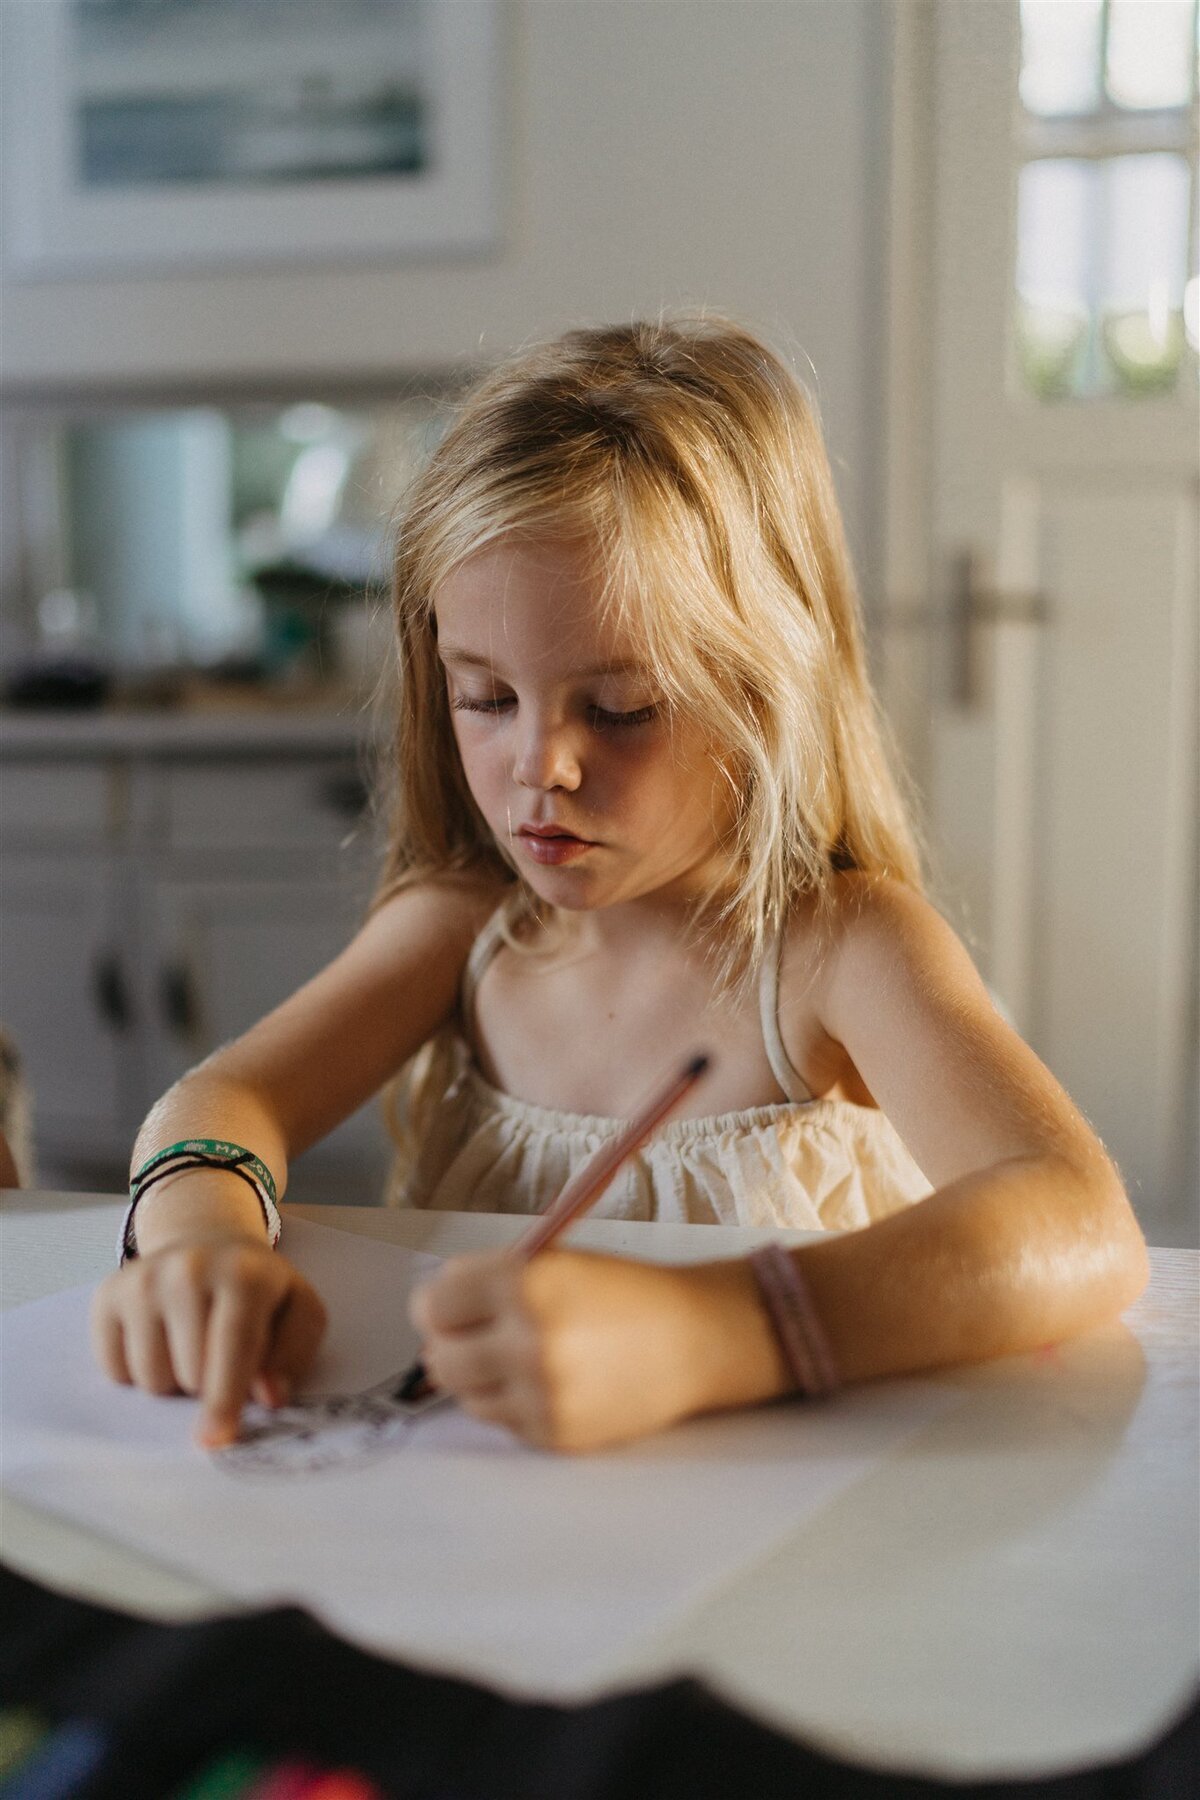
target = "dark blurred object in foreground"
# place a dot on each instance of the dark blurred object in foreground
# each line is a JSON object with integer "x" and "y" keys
{"x": 136, "y": 1710}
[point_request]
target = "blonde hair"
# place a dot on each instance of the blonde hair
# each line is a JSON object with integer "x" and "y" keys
{"x": 688, "y": 457}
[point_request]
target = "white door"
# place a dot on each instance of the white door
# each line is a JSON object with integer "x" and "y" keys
{"x": 1041, "y": 610}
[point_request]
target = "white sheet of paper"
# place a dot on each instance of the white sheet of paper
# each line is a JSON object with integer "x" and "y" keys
{"x": 448, "y": 1544}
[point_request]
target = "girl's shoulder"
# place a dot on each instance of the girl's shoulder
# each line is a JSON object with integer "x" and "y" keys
{"x": 867, "y": 930}
{"x": 449, "y": 909}
{"x": 876, "y": 946}
{"x": 857, "y": 911}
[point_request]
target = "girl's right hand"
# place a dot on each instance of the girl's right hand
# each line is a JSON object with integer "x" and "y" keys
{"x": 218, "y": 1314}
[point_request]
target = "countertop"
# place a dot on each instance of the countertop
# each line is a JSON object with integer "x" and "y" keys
{"x": 262, "y": 724}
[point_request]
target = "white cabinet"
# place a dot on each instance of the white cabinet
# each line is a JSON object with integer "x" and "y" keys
{"x": 66, "y": 993}
{"x": 223, "y": 954}
{"x": 151, "y": 908}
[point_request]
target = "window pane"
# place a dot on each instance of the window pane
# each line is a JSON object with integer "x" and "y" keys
{"x": 1150, "y": 52}
{"x": 1191, "y": 292}
{"x": 1054, "y": 208}
{"x": 1144, "y": 268}
{"x": 1060, "y": 56}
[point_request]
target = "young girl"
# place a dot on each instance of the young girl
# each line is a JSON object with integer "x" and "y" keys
{"x": 643, "y": 810}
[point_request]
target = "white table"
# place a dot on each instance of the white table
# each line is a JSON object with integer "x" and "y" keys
{"x": 1014, "y": 1592}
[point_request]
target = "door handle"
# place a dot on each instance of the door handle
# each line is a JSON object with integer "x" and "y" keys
{"x": 972, "y": 602}
{"x": 178, "y": 997}
{"x": 111, "y": 991}
{"x": 345, "y": 793}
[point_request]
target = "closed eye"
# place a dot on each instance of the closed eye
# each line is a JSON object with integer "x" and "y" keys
{"x": 600, "y": 716}
{"x": 468, "y": 703}
{"x": 609, "y": 721}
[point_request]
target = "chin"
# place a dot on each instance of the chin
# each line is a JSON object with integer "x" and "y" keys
{"x": 570, "y": 890}
{"x": 567, "y": 896}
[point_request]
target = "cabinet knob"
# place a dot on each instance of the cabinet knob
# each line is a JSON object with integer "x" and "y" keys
{"x": 345, "y": 793}
{"x": 178, "y": 998}
{"x": 112, "y": 994}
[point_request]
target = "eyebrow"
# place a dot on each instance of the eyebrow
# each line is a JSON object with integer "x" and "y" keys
{"x": 469, "y": 659}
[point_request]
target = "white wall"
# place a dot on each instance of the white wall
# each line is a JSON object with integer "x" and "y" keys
{"x": 660, "y": 152}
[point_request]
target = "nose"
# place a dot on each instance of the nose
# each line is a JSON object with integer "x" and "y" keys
{"x": 547, "y": 758}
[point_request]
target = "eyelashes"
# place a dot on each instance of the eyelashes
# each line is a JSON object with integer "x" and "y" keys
{"x": 598, "y": 715}
{"x": 641, "y": 715}
{"x": 464, "y": 703}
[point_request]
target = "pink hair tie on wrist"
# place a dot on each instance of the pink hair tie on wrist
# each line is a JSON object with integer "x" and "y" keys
{"x": 799, "y": 1332}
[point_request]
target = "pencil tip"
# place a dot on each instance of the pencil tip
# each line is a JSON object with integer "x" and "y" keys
{"x": 415, "y": 1385}
{"x": 698, "y": 1064}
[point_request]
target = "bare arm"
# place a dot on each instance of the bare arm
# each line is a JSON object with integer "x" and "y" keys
{"x": 207, "y": 1307}
{"x": 1028, "y": 1238}
{"x": 309, "y": 1064}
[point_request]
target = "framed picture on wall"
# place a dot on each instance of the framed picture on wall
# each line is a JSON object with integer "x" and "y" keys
{"x": 159, "y": 135}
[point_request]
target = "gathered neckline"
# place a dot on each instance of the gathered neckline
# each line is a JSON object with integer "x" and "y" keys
{"x": 601, "y": 1125}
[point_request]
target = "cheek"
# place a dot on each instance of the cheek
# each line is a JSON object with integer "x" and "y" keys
{"x": 481, "y": 759}
{"x": 701, "y": 794}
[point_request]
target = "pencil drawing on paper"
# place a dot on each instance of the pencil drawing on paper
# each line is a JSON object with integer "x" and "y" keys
{"x": 339, "y": 1433}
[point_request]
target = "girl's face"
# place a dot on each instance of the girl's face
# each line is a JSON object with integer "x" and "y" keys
{"x": 564, "y": 738}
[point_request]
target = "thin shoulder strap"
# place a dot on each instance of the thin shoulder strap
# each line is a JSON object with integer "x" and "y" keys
{"x": 480, "y": 955}
{"x": 788, "y": 1077}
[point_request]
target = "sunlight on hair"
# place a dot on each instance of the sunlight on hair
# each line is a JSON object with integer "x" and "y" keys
{"x": 689, "y": 460}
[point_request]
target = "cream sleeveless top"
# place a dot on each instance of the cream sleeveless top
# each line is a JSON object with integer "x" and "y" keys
{"x": 811, "y": 1164}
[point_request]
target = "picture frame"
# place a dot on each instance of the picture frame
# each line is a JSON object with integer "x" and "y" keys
{"x": 72, "y": 207}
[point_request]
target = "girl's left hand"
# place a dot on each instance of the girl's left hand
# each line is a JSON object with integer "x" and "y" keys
{"x": 570, "y": 1351}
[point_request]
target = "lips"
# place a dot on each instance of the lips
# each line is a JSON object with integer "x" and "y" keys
{"x": 551, "y": 844}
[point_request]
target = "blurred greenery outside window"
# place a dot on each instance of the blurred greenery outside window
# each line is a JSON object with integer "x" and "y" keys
{"x": 1107, "y": 295}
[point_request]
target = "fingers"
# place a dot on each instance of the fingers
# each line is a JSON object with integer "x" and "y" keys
{"x": 488, "y": 1379}
{"x": 480, "y": 1344}
{"x": 238, "y": 1333}
{"x": 571, "y": 1350}
{"x": 221, "y": 1319}
{"x": 520, "y": 1406}
{"x": 130, "y": 1341}
{"x": 185, "y": 1315}
{"x": 299, "y": 1326}
{"x": 149, "y": 1356}
{"x": 469, "y": 1362}
{"x": 467, "y": 1291}
{"x": 108, "y": 1338}
{"x": 262, "y": 1337}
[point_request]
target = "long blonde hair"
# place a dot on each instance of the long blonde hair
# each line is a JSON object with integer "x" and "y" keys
{"x": 686, "y": 454}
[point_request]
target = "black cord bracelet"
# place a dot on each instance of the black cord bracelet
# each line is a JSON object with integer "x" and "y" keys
{"x": 127, "y": 1248}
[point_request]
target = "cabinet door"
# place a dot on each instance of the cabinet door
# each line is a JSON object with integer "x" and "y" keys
{"x": 67, "y": 998}
{"x": 224, "y": 953}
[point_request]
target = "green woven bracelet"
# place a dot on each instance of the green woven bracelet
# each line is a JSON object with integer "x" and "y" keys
{"x": 214, "y": 1147}
{"x": 193, "y": 1153}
